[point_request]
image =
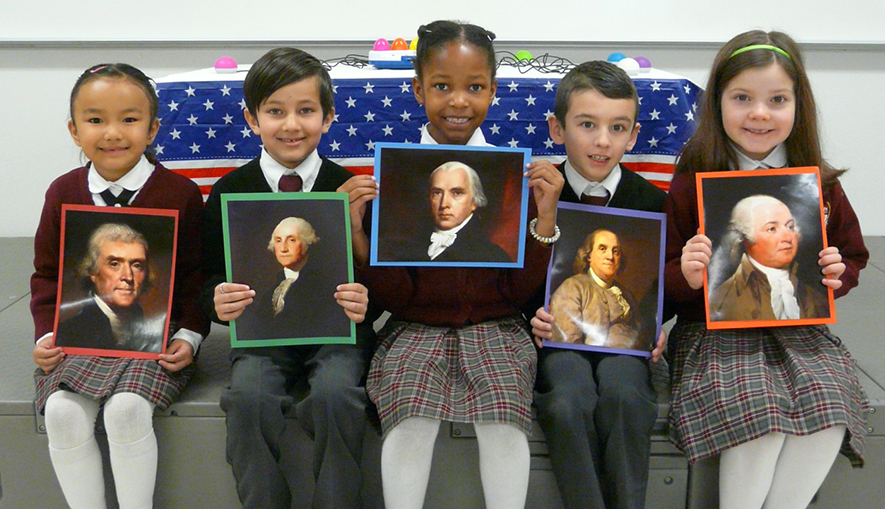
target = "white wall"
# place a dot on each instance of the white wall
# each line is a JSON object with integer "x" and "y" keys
{"x": 36, "y": 74}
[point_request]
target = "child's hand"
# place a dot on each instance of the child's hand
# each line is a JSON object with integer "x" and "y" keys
{"x": 47, "y": 358}
{"x": 833, "y": 267}
{"x": 360, "y": 189}
{"x": 542, "y": 326}
{"x": 354, "y": 298}
{"x": 546, "y": 183}
{"x": 660, "y": 347}
{"x": 178, "y": 355}
{"x": 695, "y": 258}
{"x": 231, "y": 299}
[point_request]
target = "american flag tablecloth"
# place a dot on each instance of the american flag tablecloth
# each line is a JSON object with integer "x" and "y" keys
{"x": 203, "y": 134}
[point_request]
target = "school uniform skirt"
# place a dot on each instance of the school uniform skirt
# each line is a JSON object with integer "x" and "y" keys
{"x": 733, "y": 386}
{"x": 99, "y": 378}
{"x": 472, "y": 374}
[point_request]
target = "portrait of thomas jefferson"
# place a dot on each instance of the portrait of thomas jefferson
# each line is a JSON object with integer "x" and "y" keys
{"x": 456, "y": 197}
{"x": 762, "y": 241}
{"x": 300, "y": 301}
{"x": 116, "y": 272}
{"x": 593, "y": 307}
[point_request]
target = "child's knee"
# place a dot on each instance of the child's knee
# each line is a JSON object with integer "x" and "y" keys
{"x": 70, "y": 419}
{"x": 128, "y": 417}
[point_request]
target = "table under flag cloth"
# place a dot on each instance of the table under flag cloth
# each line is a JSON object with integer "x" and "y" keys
{"x": 203, "y": 134}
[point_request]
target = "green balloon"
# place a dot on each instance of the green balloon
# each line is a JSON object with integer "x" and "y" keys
{"x": 523, "y": 55}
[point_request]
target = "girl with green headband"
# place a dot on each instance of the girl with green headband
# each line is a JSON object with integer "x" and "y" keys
{"x": 779, "y": 403}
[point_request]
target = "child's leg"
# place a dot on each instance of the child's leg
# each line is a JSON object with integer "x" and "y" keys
{"x": 504, "y": 463}
{"x": 746, "y": 471}
{"x": 133, "y": 448}
{"x": 70, "y": 426}
{"x": 802, "y": 466}
{"x": 405, "y": 462}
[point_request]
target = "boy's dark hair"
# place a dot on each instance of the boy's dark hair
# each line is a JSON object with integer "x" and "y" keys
{"x": 610, "y": 80}
{"x": 124, "y": 71}
{"x": 283, "y": 66}
{"x": 709, "y": 149}
{"x": 432, "y": 38}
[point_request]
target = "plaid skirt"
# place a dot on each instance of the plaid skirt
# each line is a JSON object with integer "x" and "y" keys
{"x": 733, "y": 386}
{"x": 99, "y": 378}
{"x": 473, "y": 374}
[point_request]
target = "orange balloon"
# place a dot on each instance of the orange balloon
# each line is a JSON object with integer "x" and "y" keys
{"x": 399, "y": 44}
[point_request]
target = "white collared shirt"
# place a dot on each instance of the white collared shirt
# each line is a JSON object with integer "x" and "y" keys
{"x": 599, "y": 281}
{"x": 477, "y": 139}
{"x": 133, "y": 180}
{"x": 777, "y": 159}
{"x": 290, "y": 274}
{"x": 581, "y": 186}
{"x": 307, "y": 170}
{"x": 436, "y": 248}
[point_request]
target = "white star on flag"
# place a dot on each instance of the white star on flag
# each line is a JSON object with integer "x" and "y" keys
{"x": 228, "y": 119}
{"x": 210, "y": 133}
{"x": 370, "y": 117}
{"x": 370, "y": 89}
{"x": 548, "y": 114}
{"x": 176, "y": 134}
{"x": 351, "y": 131}
{"x": 247, "y": 133}
{"x": 335, "y": 146}
{"x": 530, "y": 101}
{"x": 655, "y": 114}
{"x": 334, "y": 89}
{"x": 671, "y": 129}
{"x": 513, "y": 86}
{"x": 231, "y": 147}
{"x": 639, "y": 98}
{"x": 655, "y": 86}
{"x": 548, "y": 143}
{"x": 530, "y": 129}
{"x": 513, "y": 143}
{"x": 387, "y": 130}
{"x": 370, "y": 145}
{"x": 159, "y": 150}
{"x": 225, "y": 91}
{"x": 687, "y": 88}
{"x": 513, "y": 114}
{"x": 406, "y": 116}
{"x": 386, "y": 101}
{"x": 404, "y": 88}
{"x": 548, "y": 87}
{"x": 173, "y": 106}
{"x": 673, "y": 99}
{"x": 351, "y": 102}
{"x": 653, "y": 142}
{"x": 243, "y": 104}
{"x": 190, "y": 91}
{"x": 495, "y": 129}
{"x": 195, "y": 148}
{"x": 689, "y": 116}
{"x": 192, "y": 119}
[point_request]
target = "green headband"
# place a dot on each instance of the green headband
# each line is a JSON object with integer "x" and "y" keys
{"x": 761, "y": 47}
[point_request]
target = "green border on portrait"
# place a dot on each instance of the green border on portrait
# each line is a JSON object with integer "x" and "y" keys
{"x": 264, "y": 197}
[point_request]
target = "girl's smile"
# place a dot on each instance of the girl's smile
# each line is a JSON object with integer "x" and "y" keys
{"x": 111, "y": 123}
{"x": 456, "y": 91}
{"x": 758, "y": 110}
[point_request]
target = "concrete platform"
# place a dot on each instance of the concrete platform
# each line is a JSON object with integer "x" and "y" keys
{"x": 191, "y": 433}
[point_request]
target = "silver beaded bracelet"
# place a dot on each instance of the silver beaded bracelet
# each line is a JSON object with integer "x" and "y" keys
{"x": 546, "y": 240}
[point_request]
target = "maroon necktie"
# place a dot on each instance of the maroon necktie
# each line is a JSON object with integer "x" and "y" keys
{"x": 290, "y": 183}
{"x": 591, "y": 200}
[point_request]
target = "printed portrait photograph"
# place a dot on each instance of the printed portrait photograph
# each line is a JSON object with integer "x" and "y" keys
{"x": 767, "y": 230}
{"x": 293, "y": 250}
{"x": 605, "y": 280}
{"x": 443, "y": 205}
{"x": 115, "y": 290}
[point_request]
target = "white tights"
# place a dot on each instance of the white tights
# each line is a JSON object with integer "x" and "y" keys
{"x": 407, "y": 454}
{"x": 777, "y": 470}
{"x": 70, "y": 422}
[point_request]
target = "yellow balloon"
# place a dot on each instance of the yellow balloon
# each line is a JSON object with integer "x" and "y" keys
{"x": 414, "y": 44}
